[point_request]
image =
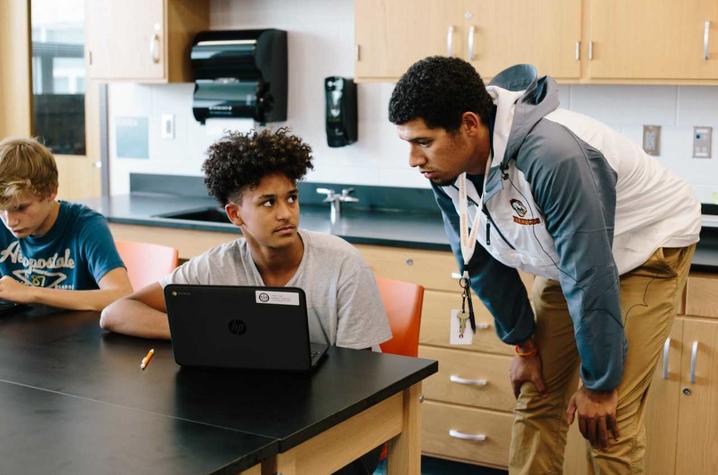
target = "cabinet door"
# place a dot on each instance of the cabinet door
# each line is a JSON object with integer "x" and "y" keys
{"x": 393, "y": 34}
{"x": 507, "y": 32}
{"x": 661, "y": 416}
{"x": 697, "y": 448}
{"x": 644, "y": 39}
{"x": 125, "y": 40}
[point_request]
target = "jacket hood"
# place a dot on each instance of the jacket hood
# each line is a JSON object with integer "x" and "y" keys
{"x": 517, "y": 112}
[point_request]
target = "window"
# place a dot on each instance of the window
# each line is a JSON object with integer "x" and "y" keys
{"x": 58, "y": 74}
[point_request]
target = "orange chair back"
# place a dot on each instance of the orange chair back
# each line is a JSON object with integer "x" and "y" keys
{"x": 402, "y": 301}
{"x": 146, "y": 263}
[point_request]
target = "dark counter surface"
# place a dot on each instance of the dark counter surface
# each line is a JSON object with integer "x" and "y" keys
{"x": 419, "y": 230}
{"x": 423, "y": 230}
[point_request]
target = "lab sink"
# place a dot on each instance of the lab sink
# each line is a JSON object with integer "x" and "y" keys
{"x": 213, "y": 215}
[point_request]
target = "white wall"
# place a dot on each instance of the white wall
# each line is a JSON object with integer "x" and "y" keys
{"x": 321, "y": 43}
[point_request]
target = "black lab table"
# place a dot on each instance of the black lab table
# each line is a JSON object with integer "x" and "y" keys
{"x": 74, "y": 400}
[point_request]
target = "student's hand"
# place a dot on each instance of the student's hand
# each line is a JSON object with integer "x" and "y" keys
{"x": 526, "y": 369}
{"x": 596, "y": 415}
{"x": 11, "y": 289}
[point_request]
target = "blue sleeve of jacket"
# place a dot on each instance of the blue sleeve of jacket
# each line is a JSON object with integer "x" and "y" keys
{"x": 576, "y": 188}
{"x": 498, "y": 286}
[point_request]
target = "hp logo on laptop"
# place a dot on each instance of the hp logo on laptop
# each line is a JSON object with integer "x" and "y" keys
{"x": 237, "y": 327}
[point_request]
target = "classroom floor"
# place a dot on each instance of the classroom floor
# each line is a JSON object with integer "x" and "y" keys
{"x": 434, "y": 466}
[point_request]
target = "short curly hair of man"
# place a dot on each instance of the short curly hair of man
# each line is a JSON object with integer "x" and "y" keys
{"x": 439, "y": 90}
{"x": 238, "y": 161}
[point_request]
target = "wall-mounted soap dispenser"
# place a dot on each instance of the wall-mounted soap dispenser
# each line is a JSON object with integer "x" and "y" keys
{"x": 341, "y": 111}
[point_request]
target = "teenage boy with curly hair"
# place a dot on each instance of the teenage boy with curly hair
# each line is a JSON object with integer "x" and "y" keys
{"x": 254, "y": 177}
{"x": 51, "y": 252}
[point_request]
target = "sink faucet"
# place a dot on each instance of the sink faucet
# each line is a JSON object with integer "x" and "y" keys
{"x": 335, "y": 200}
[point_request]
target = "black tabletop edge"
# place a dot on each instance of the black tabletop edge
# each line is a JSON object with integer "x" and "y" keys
{"x": 297, "y": 438}
{"x": 249, "y": 461}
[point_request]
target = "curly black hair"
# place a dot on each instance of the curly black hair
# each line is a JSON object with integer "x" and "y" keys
{"x": 439, "y": 90}
{"x": 241, "y": 160}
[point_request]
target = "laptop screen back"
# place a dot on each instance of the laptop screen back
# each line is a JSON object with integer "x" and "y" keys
{"x": 239, "y": 327}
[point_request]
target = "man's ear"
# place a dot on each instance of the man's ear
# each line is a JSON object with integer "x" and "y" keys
{"x": 471, "y": 122}
{"x": 232, "y": 210}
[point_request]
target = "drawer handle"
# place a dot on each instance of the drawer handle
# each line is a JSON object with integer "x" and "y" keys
{"x": 473, "y": 382}
{"x": 694, "y": 361}
{"x": 666, "y": 354}
{"x": 464, "y": 436}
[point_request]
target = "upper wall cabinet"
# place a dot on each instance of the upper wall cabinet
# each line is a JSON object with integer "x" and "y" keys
{"x": 393, "y": 34}
{"x": 501, "y": 33}
{"x": 645, "y": 39}
{"x": 583, "y": 41}
{"x": 142, "y": 40}
{"x": 491, "y": 34}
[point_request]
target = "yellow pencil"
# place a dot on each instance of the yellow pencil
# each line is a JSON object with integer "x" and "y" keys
{"x": 148, "y": 357}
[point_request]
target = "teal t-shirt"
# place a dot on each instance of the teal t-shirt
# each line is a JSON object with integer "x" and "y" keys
{"x": 74, "y": 255}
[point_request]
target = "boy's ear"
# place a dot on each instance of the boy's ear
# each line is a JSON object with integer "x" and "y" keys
{"x": 232, "y": 210}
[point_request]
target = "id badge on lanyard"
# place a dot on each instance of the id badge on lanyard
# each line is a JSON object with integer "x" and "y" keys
{"x": 468, "y": 245}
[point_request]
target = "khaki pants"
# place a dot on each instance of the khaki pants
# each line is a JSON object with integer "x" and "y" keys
{"x": 650, "y": 296}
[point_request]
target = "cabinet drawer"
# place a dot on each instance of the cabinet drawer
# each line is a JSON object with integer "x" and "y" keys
{"x": 435, "y": 321}
{"x": 469, "y": 378}
{"x": 439, "y": 418}
{"x": 432, "y": 269}
{"x": 702, "y": 295}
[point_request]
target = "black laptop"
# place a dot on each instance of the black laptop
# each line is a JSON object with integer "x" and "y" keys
{"x": 243, "y": 327}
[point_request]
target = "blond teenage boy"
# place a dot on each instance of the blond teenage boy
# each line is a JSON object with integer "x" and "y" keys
{"x": 52, "y": 252}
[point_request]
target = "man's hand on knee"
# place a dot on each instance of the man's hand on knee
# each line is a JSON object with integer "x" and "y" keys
{"x": 596, "y": 415}
{"x": 526, "y": 367}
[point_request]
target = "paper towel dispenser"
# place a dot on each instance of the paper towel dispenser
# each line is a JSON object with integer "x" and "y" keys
{"x": 240, "y": 73}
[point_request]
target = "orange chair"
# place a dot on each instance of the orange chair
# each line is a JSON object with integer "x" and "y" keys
{"x": 402, "y": 301}
{"x": 146, "y": 263}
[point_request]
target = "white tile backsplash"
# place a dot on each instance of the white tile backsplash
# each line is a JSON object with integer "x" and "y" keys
{"x": 321, "y": 43}
{"x": 626, "y": 105}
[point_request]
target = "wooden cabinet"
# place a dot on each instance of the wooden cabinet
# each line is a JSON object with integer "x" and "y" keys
{"x": 682, "y": 405}
{"x": 492, "y": 34}
{"x": 469, "y": 402}
{"x": 188, "y": 242}
{"x": 601, "y": 41}
{"x": 501, "y": 33}
{"x": 393, "y": 34}
{"x": 142, "y": 40}
{"x": 644, "y": 39}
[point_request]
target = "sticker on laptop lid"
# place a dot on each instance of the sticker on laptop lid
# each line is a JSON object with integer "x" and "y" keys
{"x": 276, "y": 297}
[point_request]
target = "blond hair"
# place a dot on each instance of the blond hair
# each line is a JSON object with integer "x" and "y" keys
{"x": 26, "y": 166}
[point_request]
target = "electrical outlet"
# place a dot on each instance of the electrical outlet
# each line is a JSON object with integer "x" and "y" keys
{"x": 652, "y": 139}
{"x": 168, "y": 127}
{"x": 702, "y": 138}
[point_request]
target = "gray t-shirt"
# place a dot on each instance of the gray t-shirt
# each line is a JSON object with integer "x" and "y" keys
{"x": 343, "y": 303}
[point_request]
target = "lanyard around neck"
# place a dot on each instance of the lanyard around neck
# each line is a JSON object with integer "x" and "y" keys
{"x": 468, "y": 240}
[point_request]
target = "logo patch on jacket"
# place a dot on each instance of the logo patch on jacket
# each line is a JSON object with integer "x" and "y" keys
{"x": 521, "y": 211}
